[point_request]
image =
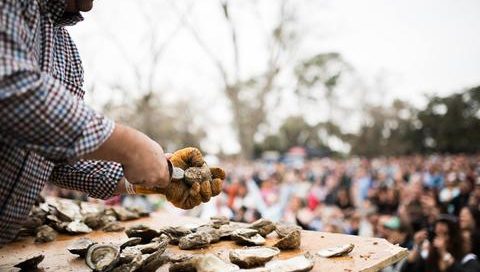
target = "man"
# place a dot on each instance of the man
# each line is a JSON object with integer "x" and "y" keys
{"x": 47, "y": 133}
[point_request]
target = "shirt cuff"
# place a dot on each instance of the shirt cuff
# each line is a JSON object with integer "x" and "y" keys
{"x": 95, "y": 133}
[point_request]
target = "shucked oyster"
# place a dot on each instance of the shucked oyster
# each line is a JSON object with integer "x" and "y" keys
{"x": 247, "y": 237}
{"x": 253, "y": 256}
{"x": 263, "y": 226}
{"x": 80, "y": 246}
{"x": 77, "y": 227}
{"x": 195, "y": 240}
{"x": 336, "y": 251}
{"x": 291, "y": 241}
{"x": 102, "y": 257}
{"x": 299, "y": 263}
{"x": 31, "y": 263}
{"x": 45, "y": 234}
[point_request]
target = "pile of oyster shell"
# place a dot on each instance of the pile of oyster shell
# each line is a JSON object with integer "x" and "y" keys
{"x": 57, "y": 215}
{"x": 146, "y": 248}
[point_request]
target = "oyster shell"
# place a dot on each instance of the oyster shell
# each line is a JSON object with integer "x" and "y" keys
{"x": 80, "y": 246}
{"x": 290, "y": 241}
{"x": 113, "y": 227}
{"x": 102, "y": 257}
{"x": 142, "y": 231}
{"x": 195, "y": 240}
{"x": 253, "y": 256}
{"x": 31, "y": 263}
{"x": 263, "y": 226}
{"x": 154, "y": 261}
{"x": 185, "y": 266}
{"x": 123, "y": 214}
{"x": 66, "y": 209}
{"x": 212, "y": 263}
{"x": 130, "y": 266}
{"x": 152, "y": 247}
{"x": 129, "y": 254}
{"x": 133, "y": 241}
{"x": 217, "y": 221}
{"x": 213, "y": 232}
{"x": 45, "y": 234}
{"x": 77, "y": 227}
{"x": 283, "y": 230}
{"x": 175, "y": 233}
{"x": 299, "y": 263}
{"x": 336, "y": 251}
{"x": 247, "y": 237}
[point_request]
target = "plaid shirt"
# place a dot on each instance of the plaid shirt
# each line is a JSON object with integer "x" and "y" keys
{"x": 43, "y": 120}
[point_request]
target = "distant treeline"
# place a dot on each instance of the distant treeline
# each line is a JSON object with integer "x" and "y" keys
{"x": 448, "y": 124}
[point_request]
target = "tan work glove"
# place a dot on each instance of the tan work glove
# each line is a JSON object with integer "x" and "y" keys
{"x": 199, "y": 184}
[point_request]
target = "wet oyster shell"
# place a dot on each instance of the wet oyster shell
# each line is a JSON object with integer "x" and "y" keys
{"x": 290, "y": 241}
{"x": 263, "y": 226}
{"x": 299, "y": 263}
{"x": 252, "y": 256}
{"x": 45, "y": 234}
{"x": 142, "y": 231}
{"x": 337, "y": 251}
{"x": 80, "y": 246}
{"x": 195, "y": 240}
{"x": 133, "y": 241}
{"x": 102, "y": 257}
{"x": 31, "y": 263}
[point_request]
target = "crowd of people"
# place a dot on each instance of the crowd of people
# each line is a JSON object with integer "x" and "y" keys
{"x": 428, "y": 204}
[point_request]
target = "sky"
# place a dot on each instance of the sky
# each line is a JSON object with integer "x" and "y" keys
{"x": 405, "y": 49}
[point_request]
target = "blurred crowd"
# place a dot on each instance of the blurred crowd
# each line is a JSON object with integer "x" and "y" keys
{"x": 428, "y": 204}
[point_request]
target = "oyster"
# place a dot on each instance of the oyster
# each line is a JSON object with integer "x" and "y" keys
{"x": 123, "y": 214}
{"x": 56, "y": 223}
{"x": 87, "y": 208}
{"x": 45, "y": 234}
{"x": 247, "y": 237}
{"x": 185, "y": 266}
{"x": 290, "y": 241}
{"x": 212, "y": 263}
{"x": 77, "y": 227}
{"x": 66, "y": 209}
{"x": 227, "y": 230}
{"x": 80, "y": 246}
{"x": 336, "y": 251}
{"x": 142, "y": 231}
{"x": 154, "y": 261}
{"x": 152, "y": 247}
{"x": 102, "y": 257}
{"x": 299, "y": 263}
{"x": 283, "y": 230}
{"x": 217, "y": 221}
{"x": 253, "y": 256}
{"x": 263, "y": 226}
{"x": 213, "y": 232}
{"x": 113, "y": 227}
{"x": 132, "y": 265}
{"x": 133, "y": 241}
{"x": 31, "y": 263}
{"x": 178, "y": 257}
{"x": 129, "y": 254}
{"x": 175, "y": 233}
{"x": 195, "y": 240}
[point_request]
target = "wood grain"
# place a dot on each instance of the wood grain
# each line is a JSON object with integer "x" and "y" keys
{"x": 369, "y": 254}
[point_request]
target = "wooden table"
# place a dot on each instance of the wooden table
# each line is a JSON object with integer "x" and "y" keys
{"x": 369, "y": 254}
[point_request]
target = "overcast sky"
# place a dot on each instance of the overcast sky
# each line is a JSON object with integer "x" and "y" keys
{"x": 414, "y": 47}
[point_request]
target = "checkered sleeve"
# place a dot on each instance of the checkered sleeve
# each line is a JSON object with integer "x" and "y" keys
{"x": 97, "y": 178}
{"x": 37, "y": 113}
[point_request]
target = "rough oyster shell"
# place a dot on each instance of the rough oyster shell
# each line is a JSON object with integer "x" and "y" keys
{"x": 217, "y": 221}
{"x": 212, "y": 263}
{"x": 102, "y": 257}
{"x": 299, "y": 263}
{"x": 154, "y": 261}
{"x": 129, "y": 254}
{"x": 175, "y": 233}
{"x": 123, "y": 214}
{"x": 263, "y": 226}
{"x": 133, "y": 241}
{"x": 253, "y": 256}
{"x": 77, "y": 227}
{"x": 45, "y": 234}
{"x": 195, "y": 240}
{"x": 247, "y": 237}
{"x": 80, "y": 246}
{"x": 113, "y": 227}
{"x": 283, "y": 230}
{"x": 213, "y": 232}
{"x": 142, "y": 231}
{"x": 152, "y": 247}
{"x": 291, "y": 241}
{"x": 31, "y": 263}
{"x": 336, "y": 251}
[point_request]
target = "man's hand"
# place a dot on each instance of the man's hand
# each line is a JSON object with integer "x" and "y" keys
{"x": 143, "y": 160}
{"x": 200, "y": 182}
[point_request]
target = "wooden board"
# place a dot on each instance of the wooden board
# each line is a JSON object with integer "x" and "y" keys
{"x": 369, "y": 254}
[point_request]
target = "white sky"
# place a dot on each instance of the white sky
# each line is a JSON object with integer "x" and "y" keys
{"x": 413, "y": 46}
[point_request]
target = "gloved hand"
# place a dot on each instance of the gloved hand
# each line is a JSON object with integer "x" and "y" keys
{"x": 199, "y": 184}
